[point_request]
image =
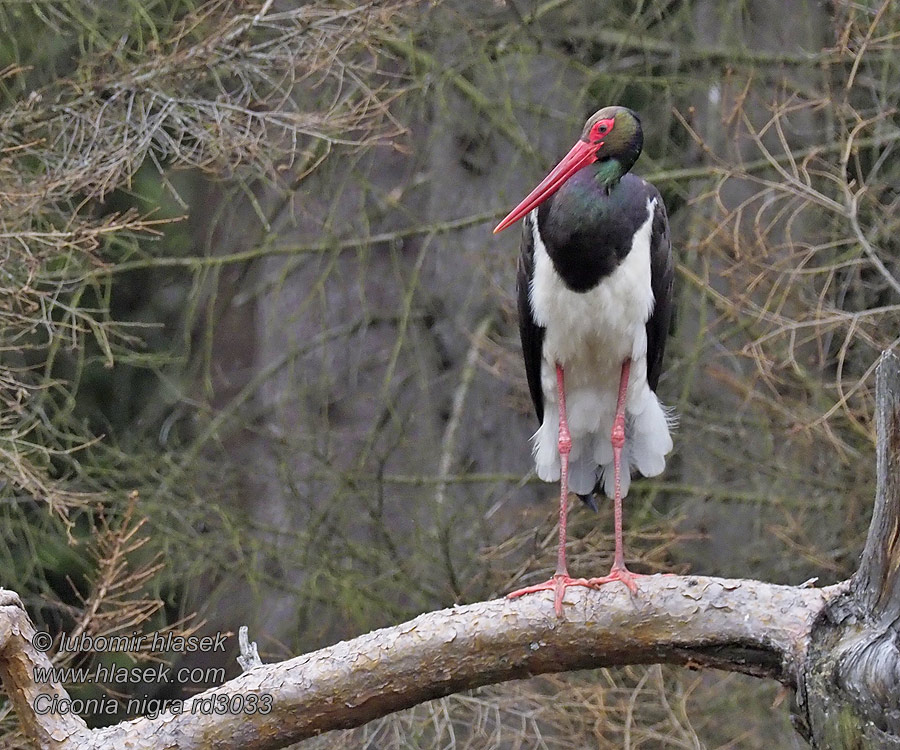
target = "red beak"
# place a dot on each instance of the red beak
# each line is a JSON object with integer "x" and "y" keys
{"x": 582, "y": 154}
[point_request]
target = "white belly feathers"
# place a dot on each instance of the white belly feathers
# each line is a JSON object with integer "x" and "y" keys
{"x": 590, "y": 334}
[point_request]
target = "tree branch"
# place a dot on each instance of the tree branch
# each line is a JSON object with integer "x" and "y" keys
{"x": 743, "y": 626}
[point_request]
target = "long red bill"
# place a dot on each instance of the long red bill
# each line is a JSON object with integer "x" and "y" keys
{"x": 582, "y": 154}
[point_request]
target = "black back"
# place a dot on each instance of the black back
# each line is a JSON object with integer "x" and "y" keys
{"x": 531, "y": 333}
{"x": 662, "y": 281}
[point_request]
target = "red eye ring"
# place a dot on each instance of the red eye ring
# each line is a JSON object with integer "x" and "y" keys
{"x": 601, "y": 129}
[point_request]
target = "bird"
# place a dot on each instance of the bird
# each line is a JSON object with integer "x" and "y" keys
{"x": 595, "y": 291}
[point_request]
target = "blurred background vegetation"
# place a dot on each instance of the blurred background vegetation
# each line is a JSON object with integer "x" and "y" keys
{"x": 259, "y": 355}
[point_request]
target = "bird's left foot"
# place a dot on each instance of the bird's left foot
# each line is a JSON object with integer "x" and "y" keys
{"x": 618, "y": 573}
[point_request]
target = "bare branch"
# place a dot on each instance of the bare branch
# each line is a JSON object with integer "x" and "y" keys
{"x": 737, "y": 625}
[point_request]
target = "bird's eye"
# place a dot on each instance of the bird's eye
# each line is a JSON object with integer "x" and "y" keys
{"x": 600, "y": 130}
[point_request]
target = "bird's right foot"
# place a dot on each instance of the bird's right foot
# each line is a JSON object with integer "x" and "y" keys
{"x": 557, "y": 584}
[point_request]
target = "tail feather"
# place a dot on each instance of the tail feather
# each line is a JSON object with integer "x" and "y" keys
{"x": 590, "y": 500}
{"x": 546, "y": 455}
{"x": 583, "y": 473}
{"x": 609, "y": 477}
{"x": 650, "y": 439}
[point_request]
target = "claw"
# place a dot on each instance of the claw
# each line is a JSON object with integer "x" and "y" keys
{"x": 558, "y": 584}
{"x": 618, "y": 573}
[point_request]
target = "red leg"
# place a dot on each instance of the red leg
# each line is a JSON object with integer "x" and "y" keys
{"x": 561, "y": 579}
{"x": 619, "y": 572}
{"x": 618, "y": 442}
{"x": 565, "y": 447}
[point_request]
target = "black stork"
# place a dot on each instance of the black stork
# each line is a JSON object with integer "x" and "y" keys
{"x": 594, "y": 286}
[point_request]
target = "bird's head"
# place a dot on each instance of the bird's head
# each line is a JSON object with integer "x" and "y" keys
{"x": 612, "y": 135}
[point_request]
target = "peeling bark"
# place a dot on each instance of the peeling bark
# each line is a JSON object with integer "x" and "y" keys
{"x": 18, "y": 659}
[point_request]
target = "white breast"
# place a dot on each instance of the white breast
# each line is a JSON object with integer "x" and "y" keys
{"x": 608, "y": 316}
{"x": 590, "y": 334}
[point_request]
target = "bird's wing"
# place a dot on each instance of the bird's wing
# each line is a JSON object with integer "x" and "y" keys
{"x": 662, "y": 277}
{"x": 531, "y": 333}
